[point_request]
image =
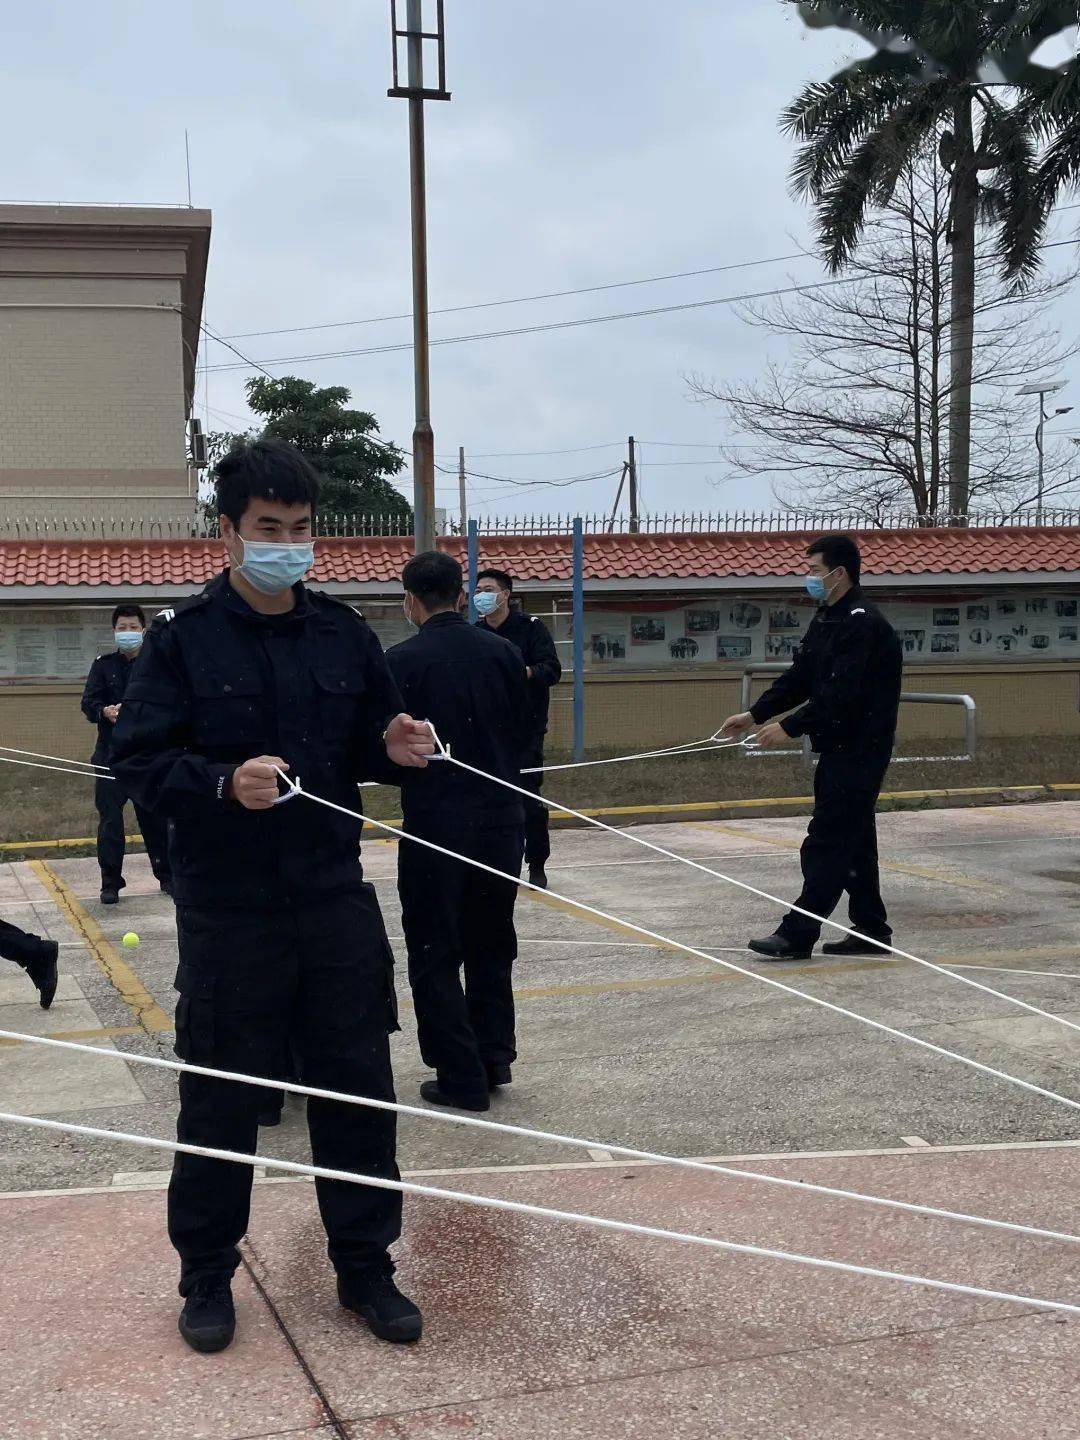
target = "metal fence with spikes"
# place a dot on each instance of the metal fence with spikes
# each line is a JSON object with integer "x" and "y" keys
{"x": 336, "y": 526}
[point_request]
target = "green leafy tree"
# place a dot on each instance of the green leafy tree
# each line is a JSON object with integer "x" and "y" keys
{"x": 955, "y": 74}
{"x": 355, "y": 466}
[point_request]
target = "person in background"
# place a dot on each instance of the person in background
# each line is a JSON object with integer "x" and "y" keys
{"x": 36, "y": 955}
{"x": 494, "y": 592}
{"x": 470, "y": 684}
{"x": 845, "y": 681}
{"x": 106, "y": 686}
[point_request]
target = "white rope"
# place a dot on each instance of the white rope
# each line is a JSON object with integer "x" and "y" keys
{"x": 520, "y": 1207}
{"x": 670, "y": 944}
{"x": 63, "y": 769}
{"x": 93, "y": 765}
{"x": 445, "y": 755}
{"x": 547, "y": 1136}
{"x": 693, "y": 747}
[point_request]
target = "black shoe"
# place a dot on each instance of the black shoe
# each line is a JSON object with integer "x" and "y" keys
{"x": 851, "y": 945}
{"x": 166, "y": 887}
{"x": 434, "y": 1095}
{"x": 42, "y": 972}
{"x": 779, "y": 947}
{"x": 269, "y": 1118}
{"x": 208, "y": 1319}
{"x": 373, "y": 1296}
{"x": 498, "y": 1075}
{"x": 110, "y": 895}
{"x": 538, "y": 876}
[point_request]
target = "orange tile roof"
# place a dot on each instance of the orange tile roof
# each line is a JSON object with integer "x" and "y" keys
{"x": 547, "y": 558}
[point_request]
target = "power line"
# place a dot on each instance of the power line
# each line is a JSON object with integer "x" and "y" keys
{"x": 528, "y": 299}
{"x": 526, "y": 454}
{"x": 561, "y": 324}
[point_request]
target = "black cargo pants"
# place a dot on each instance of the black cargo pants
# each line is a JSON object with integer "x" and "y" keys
{"x": 19, "y": 945}
{"x": 459, "y": 919}
{"x": 840, "y": 850}
{"x": 322, "y": 976}
{"x": 110, "y": 797}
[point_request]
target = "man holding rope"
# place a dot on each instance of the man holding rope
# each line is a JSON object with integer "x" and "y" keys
{"x": 845, "y": 679}
{"x": 279, "y": 936}
{"x": 470, "y": 684}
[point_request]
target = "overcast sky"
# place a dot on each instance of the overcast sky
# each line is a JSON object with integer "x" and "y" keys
{"x": 588, "y": 142}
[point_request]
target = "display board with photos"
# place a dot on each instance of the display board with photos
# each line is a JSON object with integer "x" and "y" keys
{"x": 57, "y": 645}
{"x": 740, "y": 631}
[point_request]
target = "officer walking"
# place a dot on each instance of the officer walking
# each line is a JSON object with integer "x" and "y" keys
{"x": 279, "y": 936}
{"x": 845, "y": 679}
{"x": 470, "y": 683}
{"x": 494, "y": 593}
{"x": 106, "y": 686}
{"x": 36, "y": 955}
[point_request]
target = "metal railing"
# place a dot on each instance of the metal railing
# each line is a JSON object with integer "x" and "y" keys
{"x": 907, "y": 697}
{"x": 348, "y": 526}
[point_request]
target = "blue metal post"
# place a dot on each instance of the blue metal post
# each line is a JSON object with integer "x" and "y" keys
{"x": 474, "y": 566}
{"x": 579, "y": 640}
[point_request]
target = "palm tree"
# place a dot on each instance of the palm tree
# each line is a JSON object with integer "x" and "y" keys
{"x": 948, "y": 74}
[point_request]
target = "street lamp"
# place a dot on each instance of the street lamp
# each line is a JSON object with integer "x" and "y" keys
{"x": 415, "y": 37}
{"x": 1042, "y": 388}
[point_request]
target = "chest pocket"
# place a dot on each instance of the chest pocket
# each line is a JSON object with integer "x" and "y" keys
{"x": 339, "y": 694}
{"x": 227, "y": 708}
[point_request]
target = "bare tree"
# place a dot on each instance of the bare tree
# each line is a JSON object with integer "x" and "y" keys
{"x": 858, "y": 417}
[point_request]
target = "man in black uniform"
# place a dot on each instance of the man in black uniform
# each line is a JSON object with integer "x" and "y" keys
{"x": 494, "y": 593}
{"x": 845, "y": 676}
{"x": 279, "y": 936}
{"x": 106, "y": 686}
{"x": 471, "y": 685}
{"x": 36, "y": 955}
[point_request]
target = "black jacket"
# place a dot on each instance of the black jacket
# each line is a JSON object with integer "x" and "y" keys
{"x": 470, "y": 683}
{"x": 847, "y": 671}
{"x": 105, "y": 685}
{"x": 219, "y": 684}
{"x": 533, "y": 640}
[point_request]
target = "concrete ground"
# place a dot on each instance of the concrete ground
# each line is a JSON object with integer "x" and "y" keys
{"x": 542, "y": 1331}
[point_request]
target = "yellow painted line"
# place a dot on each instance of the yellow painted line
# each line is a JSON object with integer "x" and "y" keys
{"x": 147, "y": 1012}
{"x": 57, "y": 844}
{"x": 1064, "y": 789}
{"x": 106, "y": 1034}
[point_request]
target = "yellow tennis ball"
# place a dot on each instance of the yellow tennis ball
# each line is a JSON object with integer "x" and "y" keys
{"x": 130, "y": 940}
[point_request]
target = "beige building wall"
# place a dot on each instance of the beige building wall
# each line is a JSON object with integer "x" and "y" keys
{"x": 99, "y": 327}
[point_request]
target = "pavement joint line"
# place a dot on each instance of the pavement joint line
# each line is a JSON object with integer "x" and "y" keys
{"x": 102, "y": 1034}
{"x": 148, "y": 1014}
{"x": 921, "y": 872}
{"x": 773, "y": 1156}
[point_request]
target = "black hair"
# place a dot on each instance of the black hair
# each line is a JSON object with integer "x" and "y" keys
{"x": 434, "y": 578}
{"x": 264, "y": 469}
{"x": 501, "y": 578}
{"x": 837, "y": 550}
{"x": 134, "y": 611}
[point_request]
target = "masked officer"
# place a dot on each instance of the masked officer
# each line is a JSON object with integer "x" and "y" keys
{"x": 845, "y": 679}
{"x": 36, "y": 955}
{"x": 494, "y": 592}
{"x": 106, "y": 686}
{"x": 471, "y": 685}
{"x": 279, "y": 936}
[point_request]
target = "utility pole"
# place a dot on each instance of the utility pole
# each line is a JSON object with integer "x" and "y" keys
{"x": 631, "y": 471}
{"x": 415, "y": 36}
{"x": 462, "y": 500}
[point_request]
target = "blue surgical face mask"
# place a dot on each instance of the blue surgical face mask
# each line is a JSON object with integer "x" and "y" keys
{"x": 486, "y": 602}
{"x": 272, "y": 568}
{"x": 128, "y": 639}
{"x": 817, "y": 587}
